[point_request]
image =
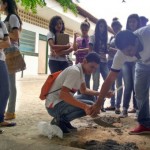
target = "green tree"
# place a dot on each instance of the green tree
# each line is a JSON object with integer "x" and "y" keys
{"x": 32, "y": 5}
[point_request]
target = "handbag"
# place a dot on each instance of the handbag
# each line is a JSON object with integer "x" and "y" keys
{"x": 14, "y": 60}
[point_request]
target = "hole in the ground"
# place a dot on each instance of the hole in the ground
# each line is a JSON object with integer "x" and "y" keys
{"x": 106, "y": 145}
{"x": 107, "y": 121}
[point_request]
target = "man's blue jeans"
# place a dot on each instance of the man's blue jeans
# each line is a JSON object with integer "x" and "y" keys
{"x": 103, "y": 70}
{"x": 65, "y": 112}
{"x": 117, "y": 84}
{"x": 129, "y": 76}
{"x": 4, "y": 89}
{"x": 142, "y": 85}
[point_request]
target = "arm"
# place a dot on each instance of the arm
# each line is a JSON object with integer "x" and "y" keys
{"x": 57, "y": 48}
{"x": 75, "y": 45}
{"x": 68, "y": 98}
{"x": 5, "y": 43}
{"x": 14, "y": 35}
{"x": 65, "y": 52}
{"x": 103, "y": 93}
{"x": 111, "y": 30}
{"x": 85, "y": 90}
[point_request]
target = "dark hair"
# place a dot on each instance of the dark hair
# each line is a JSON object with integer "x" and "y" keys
{"x": 101, "y": 38}
{"x": 53, "y": 23}
{"x": 116, "y": 22}
{"x": 85, "y": 24}
{"x": 11, "y": 9}
{"x": 135, "y": 16}
{"x": 124, "y": 39}
{"x": 93, "y": 57}
{"x": 143, "y": 20}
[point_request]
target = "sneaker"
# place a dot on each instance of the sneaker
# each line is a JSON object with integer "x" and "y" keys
{"x": 61, "y": 125}
{"x": 103, "y": 110}
{"x": 140, "y": 130}
{"x": 70, "y": 127}
{"x": 10, "y": 116}
{"x": 124, "y": 114}
{"x": 132, "y": 111}
{"x": 110, "y": 108}
{"x": 117, "y": 111}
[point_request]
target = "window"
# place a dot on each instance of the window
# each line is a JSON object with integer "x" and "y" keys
{"x": 27, "y": 41}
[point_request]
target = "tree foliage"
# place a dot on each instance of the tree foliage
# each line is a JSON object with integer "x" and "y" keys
{"x": 32, "y": 5}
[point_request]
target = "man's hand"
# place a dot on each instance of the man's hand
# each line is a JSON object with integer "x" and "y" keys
{"x": 88, "y": 110}
{"x": 95, "y": 110}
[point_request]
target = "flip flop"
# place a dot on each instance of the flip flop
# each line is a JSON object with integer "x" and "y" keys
{"x": 10, "y": 124}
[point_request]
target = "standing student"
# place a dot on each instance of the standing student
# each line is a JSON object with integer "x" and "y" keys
{"x": 81, "y": 46}
{"x": 57, "y": 60}
{"x": 132, "y": 47}
{"x": 133, "y": 23}
{"x": 4, "y": 83}
{"x": 116, "y": 26}
{"x": 98, "y": 44}
{"x": 13, "y": 24}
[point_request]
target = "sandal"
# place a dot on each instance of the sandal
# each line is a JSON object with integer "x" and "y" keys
{"x": 7, "y": 124}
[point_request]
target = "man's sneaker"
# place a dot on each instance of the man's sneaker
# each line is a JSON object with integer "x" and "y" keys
{"x": 70, "y": 127}
{"x": 140, "y": 130}
{"x": 103, "y": 110}
{"x": 61, "y": 125}
{"x": 124, "y": 114}
{"x": 132, "y": 111}
{"x": 117, "y": 111}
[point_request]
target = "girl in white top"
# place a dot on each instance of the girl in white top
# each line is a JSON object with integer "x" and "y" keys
{"x": 57, "y": 60}
{"x": 13, "y": 24}
{"x": 4, "y": 85}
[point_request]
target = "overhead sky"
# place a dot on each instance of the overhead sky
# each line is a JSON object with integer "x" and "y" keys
{"x": 108, "y": 9}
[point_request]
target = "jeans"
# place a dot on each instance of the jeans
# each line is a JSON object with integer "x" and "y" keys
{"x": 142, "y": 85}
{"x": 117, "y": 84}
{"x": 4, "y": 89}
{"x": 55, "y": 65}
{"x": 87, "y": 97}
{"x": 129, "y": 76}
{"x": 103, "y": 69}
{"x": 13, "y": 93}
{"x": 66, "y": 113}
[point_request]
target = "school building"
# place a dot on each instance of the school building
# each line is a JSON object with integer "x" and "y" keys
{"x": 33, "y": 41}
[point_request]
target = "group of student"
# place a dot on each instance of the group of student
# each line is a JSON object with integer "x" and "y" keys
{"x": 124, "y": 50}
{"x": 128, "y": 60}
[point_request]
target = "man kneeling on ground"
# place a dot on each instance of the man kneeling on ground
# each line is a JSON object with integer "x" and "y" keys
{"x": 62, "y": 105}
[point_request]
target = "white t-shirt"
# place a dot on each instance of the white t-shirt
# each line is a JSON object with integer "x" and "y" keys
{"x": 13, "y": 23}
{"x": 51, "y": 36}
{"x": 144, "y": 37}
{"x": 3, "y": 33}
{"x": 102, "y": 55}
{"x": 72, "y": 78}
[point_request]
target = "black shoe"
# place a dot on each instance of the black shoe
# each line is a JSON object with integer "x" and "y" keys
{"x": 70, "y": 127}
{"x": 1, "y": 131}
{"x": 103, "y": 110}
{"x": 117, "y": 111}
{"x": 61, "y": 125}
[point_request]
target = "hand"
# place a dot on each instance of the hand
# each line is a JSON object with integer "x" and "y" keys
{"x": 110, "y": 94}
{"x": 95, "y": 110}
{"x": 88, "y": 110}
{"x": 75, "y": 35}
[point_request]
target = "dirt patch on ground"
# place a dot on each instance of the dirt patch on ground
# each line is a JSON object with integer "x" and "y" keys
{"x": 106, "y": 145}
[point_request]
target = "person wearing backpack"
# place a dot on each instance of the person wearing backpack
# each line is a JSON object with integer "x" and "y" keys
{"x": 13, "y": 24}
{"x": 60, "y": 102}
{"x": 4, "y": 83}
